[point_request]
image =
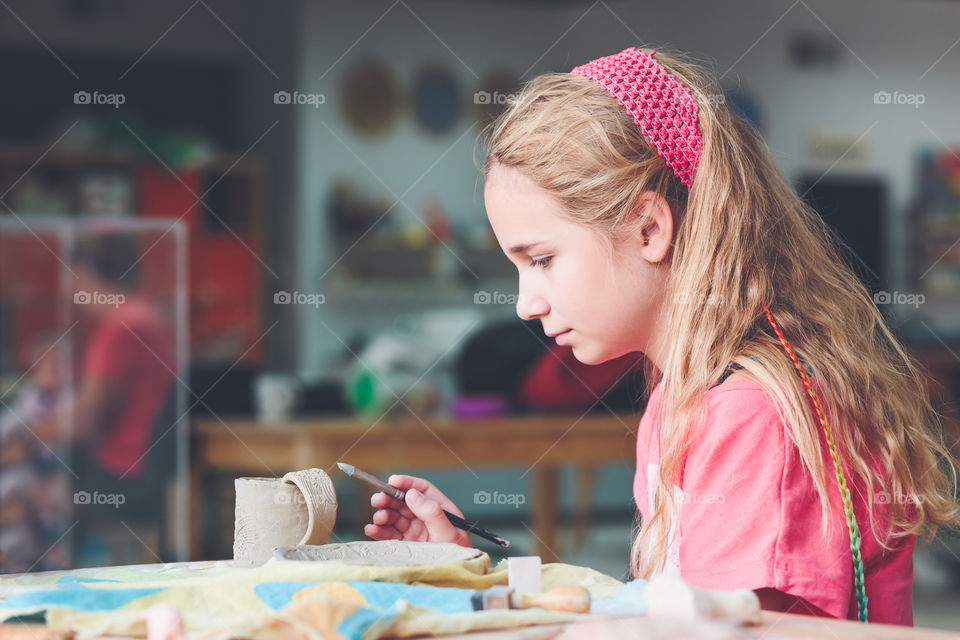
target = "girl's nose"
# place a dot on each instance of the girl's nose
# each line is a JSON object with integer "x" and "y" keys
{"x": 531, "y": 306}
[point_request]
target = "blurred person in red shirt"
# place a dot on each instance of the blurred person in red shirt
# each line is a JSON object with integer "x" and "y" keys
{"x": 121, "y": 424}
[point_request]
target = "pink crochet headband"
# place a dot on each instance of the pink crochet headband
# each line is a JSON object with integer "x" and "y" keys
{"x": 663, "y": 108}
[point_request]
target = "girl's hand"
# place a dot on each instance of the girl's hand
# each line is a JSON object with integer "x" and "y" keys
{"x": 419, "y": 518}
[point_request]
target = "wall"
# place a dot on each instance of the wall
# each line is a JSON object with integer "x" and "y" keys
{"x": 746, "y": 41}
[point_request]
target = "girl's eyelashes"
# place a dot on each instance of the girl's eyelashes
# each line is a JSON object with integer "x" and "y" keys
{"x": 541, "y": 262}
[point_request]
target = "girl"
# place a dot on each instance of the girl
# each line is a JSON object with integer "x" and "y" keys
{"x": 788, "y": 444}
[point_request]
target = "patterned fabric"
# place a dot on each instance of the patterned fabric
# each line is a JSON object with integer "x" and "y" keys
{"x": 292, "y": 599}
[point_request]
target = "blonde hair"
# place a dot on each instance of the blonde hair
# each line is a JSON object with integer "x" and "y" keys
{"x": 742, "y": 238}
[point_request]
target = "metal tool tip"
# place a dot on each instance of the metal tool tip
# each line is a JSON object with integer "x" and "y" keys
{"x": 346, "y": 468}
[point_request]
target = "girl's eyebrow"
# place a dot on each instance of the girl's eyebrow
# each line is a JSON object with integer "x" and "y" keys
{"x": 523, "y": 248}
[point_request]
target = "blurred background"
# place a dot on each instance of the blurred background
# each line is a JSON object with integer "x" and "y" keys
{"x": 243, "y": 238}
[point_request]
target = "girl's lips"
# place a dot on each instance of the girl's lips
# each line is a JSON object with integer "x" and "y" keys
{"x": 561, "y": 338}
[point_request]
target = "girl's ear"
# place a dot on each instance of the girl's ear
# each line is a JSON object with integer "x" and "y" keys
{"x": 655, "y": 236}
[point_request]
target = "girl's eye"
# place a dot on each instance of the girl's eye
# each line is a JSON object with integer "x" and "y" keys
{"x": 541, "y": 262}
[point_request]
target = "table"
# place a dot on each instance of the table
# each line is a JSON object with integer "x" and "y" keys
{"x": 784, "y": 626}
{"x": 772, "y": 625}
{"x": 542, "y": 443}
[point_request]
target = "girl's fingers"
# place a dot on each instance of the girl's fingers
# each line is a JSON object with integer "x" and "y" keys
{"x": 380, "y": 500}
{"x": 386, "y": 502}
{"x": 426, "y": 488}
{"x": 382, "y": 533}
{"x": 385, "y": 517}
{"x": 410, "y": 482}
{"x": 431, "y": 526}
{"x": 428, "y": 512}
{"x": 393, "y": 518}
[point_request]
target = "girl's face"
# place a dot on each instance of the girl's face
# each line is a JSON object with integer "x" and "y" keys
{"x": 606, "y": 303}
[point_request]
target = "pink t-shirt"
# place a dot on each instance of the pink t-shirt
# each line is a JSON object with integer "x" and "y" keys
{"x": 750, "y": 518}
{"x": 133, "y": 347}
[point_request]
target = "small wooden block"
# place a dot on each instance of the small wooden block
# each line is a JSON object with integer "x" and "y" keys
{"x": 524, "y": 574}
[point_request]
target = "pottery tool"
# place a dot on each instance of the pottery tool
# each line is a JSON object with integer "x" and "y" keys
{"x": 567, "y": 598}
{"x": 399, "y": 494}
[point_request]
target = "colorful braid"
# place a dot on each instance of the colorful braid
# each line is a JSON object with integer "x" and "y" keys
{"x": 855, "y": 538}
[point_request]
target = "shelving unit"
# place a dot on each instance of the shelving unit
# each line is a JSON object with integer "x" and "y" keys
{"x": 936, "y": 221}
{"x": 221, "y": 203}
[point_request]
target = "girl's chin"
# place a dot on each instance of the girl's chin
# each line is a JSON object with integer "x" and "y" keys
{"x": 589, "y": 356}
{"x": 586, "y": 355}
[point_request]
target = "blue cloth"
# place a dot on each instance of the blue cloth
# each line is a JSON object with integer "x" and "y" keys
{"x": 628, "y": 601}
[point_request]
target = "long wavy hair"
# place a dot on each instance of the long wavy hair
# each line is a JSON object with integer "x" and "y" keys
{"x": 742, "y": 238}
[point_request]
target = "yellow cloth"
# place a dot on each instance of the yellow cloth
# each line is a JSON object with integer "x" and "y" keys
{"x": 221, "y": 601}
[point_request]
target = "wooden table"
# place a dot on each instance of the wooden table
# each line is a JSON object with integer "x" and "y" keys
{"x": 542, "y": 443}
{"x": 785, "y": 626}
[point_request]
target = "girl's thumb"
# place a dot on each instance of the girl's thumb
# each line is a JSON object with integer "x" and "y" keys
{"x": 429, "y": 511}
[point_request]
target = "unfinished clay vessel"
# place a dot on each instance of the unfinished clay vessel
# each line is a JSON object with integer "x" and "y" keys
{"x": 298, "y": 509}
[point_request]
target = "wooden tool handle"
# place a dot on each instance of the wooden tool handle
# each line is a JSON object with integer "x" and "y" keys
{"x": 566, "y": 598}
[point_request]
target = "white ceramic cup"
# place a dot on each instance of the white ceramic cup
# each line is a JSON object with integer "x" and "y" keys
{"x": 276, "y": 396}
